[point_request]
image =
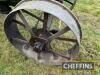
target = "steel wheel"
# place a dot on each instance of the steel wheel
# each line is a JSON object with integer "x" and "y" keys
{"x": 33, "y": 28}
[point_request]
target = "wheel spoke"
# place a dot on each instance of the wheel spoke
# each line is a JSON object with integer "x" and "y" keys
{"x": 50, "y": 19}
{"x": 19, "y": 40}
{"x": 36, "y": 25}
{"x": 58, "y": 33}
{"x": 45, "y": 21}
{"x": 18, "y": 22}
{"x": 33, "y": 15}
{"x": 60, "y": 54}
{"x": 25, "y": 23}
{"x": 66, "y": 39}
{"x": 70, "y": 2}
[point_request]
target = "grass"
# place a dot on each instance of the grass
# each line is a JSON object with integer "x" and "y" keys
{"x": 88, "y": 13}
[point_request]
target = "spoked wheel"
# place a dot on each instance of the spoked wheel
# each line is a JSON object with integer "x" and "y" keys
{"x": 33, "y": 28}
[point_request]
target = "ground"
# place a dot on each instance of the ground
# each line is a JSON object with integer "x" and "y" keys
{"x": 88, "y": 12}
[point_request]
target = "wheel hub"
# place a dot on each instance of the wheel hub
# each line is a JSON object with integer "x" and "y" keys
{"x": 39, "y": 43}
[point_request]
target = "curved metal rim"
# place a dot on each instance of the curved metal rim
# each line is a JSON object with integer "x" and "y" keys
{"x": 48, "y": 6}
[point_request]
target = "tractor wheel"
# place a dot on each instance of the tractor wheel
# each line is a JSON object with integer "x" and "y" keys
{"x": 33, "y": 28}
